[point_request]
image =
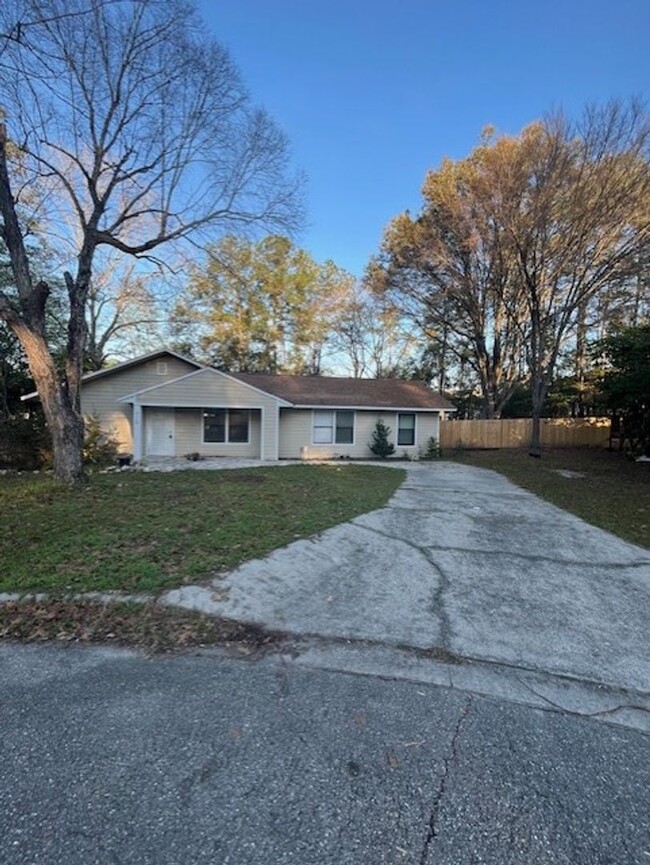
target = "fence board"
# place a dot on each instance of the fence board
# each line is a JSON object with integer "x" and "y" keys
{"x": 515, "y": 433}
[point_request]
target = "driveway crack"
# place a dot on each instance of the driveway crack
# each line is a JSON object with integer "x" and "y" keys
{"x": 437, "y": 609}
{"x": 636, "y": 707}
{"x": 448, "y": 763}
{"x": 531, "y": 557}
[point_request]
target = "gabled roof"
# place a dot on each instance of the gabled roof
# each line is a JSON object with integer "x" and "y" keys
{"x": 312, "y": 390}
{"x": 119, "y": 367}
{"x": 305, "y": 390}
{"x": 204, "y": 370}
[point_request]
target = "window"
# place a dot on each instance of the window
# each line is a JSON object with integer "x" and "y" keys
{"x": 214, "y": 425}
{"x": 161, "y": 368}
{"x": 237, "y": 426}
{"x": 323, "y": 427}
{"x": 406, "y": 429}
{"x": 225, "y": 425}
{"x": 333, "y": 427}
{"x": 344, "y": 427}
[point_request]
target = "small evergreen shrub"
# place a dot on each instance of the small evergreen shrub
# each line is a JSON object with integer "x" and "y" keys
{"x": 432, "y": 450}
{"x": 380, "y": 445}
{"x": 100, "y": 448}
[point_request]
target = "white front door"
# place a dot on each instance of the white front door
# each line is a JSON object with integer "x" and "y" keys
{"x": 159, "y": 434}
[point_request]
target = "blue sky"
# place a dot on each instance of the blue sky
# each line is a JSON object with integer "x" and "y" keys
{"x": 372, "y": 93}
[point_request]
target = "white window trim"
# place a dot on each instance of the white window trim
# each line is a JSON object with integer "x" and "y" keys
{"x": 333, "y": 443}
{"x": 415, "y": 430}
{"x": 227, "y": 409}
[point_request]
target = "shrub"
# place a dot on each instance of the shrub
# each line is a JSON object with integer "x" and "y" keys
{"x": 100, "y": 448}
{"x": 380, "y": 445}
{"x": 432, "y": 450}
{"x": 626, "y": 385}
{"x": 24, "y": 443}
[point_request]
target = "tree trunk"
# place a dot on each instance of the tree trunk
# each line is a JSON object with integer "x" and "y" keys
{"x": 61, "y": 404}
{"x": 579, "y": 410}
{"x": 67, "y": 431}
{"x": 538, "y": 395}
{"x": 64, "y": 422}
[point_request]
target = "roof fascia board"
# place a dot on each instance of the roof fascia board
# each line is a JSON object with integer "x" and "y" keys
{"x": 142, "y": 359}
{"x": 353, "y": 407}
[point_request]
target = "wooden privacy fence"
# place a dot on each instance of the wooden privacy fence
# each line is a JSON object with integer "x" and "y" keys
{"x": 556, "y": 432}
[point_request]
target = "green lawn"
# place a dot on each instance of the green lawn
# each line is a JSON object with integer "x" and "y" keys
{"x": 613, "y": 494}
{"x": 143, "y": 531}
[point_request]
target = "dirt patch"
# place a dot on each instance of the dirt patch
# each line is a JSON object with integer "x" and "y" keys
{"x": 144, "y": 626}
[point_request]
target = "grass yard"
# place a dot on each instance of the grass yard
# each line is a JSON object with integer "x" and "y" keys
{"x": 145, "y": 531}
{"x": 614, "y": 493}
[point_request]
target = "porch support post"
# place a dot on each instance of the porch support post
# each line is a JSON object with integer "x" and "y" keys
{"x": 137, "y": 431}
{"x": 276, "y": 449}
{"x": 262, "y": 434}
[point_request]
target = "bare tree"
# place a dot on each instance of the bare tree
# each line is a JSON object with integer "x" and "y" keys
{"x": 516, "y": 242}
{"x": 451, "y": 271}
{"x": 369, "y": 335}
{"x": 134, "y": 127}
{"x": 124, "y": 310}
{"x": 574, "y": 201}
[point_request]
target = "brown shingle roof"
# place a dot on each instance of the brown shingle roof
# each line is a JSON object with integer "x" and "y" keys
{"x": 310, "y": 390}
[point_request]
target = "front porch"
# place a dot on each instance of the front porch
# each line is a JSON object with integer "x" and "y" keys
{"x": 164, "y": 432}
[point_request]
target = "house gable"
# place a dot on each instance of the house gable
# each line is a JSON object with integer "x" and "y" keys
{"x": 205, "y": 387}
{"x": 101, "y": 392}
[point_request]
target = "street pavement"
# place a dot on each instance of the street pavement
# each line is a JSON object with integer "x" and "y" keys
{"x": 111, "y": 758}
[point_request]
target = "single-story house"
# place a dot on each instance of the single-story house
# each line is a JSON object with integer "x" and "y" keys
{"x": 163, "y": 404}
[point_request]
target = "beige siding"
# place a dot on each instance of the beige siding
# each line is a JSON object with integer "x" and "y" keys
{"x": 189, "y": 436}
{"x": 211, "y": 389}
{"x": 100, "y": 397}
{"x": 296, "y": 433}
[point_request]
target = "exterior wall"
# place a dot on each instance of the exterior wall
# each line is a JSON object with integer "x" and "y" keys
{"x": 100, "y": 397}
{"x": 296, "y": 433}
{"x": 188, "y": 436}
{"x": 210, "y": 389}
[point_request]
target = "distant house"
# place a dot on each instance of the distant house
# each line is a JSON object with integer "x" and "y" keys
{"x": 163, "y": 404}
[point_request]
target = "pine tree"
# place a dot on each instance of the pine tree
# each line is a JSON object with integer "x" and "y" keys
{"x": 380, "y": 445}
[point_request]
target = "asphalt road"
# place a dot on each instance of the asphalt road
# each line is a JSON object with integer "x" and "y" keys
{"x": 109, "y": 758}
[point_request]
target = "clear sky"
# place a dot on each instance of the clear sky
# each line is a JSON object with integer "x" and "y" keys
{"x": 372, "y": 93}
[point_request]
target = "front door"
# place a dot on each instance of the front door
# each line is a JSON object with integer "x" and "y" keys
{"x": 159, "y": 436}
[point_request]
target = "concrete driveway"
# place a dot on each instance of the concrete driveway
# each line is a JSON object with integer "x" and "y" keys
{"x": 499, "y": 588}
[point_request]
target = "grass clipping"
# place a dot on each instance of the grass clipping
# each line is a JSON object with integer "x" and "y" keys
{"x": 148, "y": 626}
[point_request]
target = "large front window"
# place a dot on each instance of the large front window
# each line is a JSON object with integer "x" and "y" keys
{"x": 333, "y": 427}
{"x": 406, "y": 429}
{"x": 225, "y": 425}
